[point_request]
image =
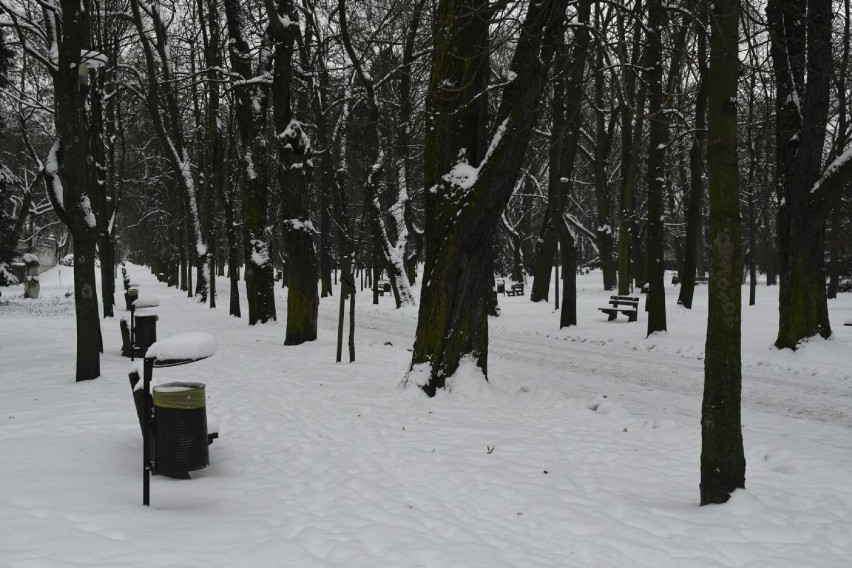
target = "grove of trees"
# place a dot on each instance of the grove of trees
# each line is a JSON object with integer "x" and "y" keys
{"x": 318, "y": 143}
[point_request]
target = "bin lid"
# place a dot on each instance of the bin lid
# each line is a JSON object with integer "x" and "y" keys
{"x": 182, "y": 348}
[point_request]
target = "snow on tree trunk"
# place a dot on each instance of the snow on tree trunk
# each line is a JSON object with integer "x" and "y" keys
{"x": 466, "y": 199}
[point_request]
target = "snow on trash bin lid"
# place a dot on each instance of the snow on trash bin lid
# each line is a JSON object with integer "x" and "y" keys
{"x": 182, "y": 348}
{"x": 146, "y": 303}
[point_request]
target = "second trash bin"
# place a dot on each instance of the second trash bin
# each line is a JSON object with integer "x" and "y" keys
{"x": 145, "y": 331}
{"x": 180, "y": 431}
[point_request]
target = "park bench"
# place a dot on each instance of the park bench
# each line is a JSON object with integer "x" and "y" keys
{"x": 384, "y": 286}
{"x": 515, "y": 289}
{"x": 628, "y": 305}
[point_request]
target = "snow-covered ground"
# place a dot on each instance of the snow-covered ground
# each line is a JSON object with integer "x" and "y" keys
{"x": 582, "y": 450}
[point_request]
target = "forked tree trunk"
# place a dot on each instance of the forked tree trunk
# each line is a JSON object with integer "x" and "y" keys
{"x": 801, "y": 52}
{"x": 469, "y": 199}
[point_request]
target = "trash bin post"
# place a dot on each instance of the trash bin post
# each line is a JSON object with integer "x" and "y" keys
{"x": 179, "y": 349}
{"x": 148, "y": 370}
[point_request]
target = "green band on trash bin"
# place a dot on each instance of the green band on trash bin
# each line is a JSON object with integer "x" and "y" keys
{"x": 179, "y": 395}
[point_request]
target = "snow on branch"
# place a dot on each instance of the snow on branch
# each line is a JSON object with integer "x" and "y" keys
{"x": 51, "y": 170}
{"x": 571, "y": 222}
{"x": 837, "y": 170}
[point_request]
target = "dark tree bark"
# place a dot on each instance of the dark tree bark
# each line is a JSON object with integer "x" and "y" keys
{"x": 841, "y": 78}
{"x": 692, "y": 244}
{"x": 545, "y": 249}
{"x": 294, "y": 153}
{"x": 69, "y": 179}
{"x": 214, "y": 175}
{"x": 566, "y": 135}
{"x": 656, "y": 165}
{"x": 467, "y": 198}
{"x": 632, "y": 123}
{"x": 603, "y": 136}
{"x": 251, "y": 114}
{"x": 722, "y": 456}
{"x": 800, "y": 34}
{"x": 229, "y": 202}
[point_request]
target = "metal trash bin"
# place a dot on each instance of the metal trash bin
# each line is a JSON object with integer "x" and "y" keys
{"x": 180, "y": 429}
{"x": 130, "y": 296}
{"x": 145, "y": 332}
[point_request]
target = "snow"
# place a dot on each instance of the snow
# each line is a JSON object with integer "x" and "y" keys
{"x": 93, "y": 59}
{"x": 294, "y": 136}
{"x": 464, "y": 176}
{"x": 88, "y": 214}
{"x": 142, "y": 303}
{"x": 581, "y": 450}
{"x": 190, "y": 345}
{"x": 51, "y": 168}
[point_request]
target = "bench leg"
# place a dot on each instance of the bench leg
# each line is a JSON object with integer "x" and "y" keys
{"x": 632, "y": 316}
{"x": 611, "y": 316}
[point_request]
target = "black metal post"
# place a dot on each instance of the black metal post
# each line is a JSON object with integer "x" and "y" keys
{"x": 148, "y": 371}
{"x": 132, "y": 333}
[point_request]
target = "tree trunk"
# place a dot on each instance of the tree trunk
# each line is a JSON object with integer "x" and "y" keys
{"x": 251, "y": 116}
{"x": 86, "y": 305}
{"x": 294, "y": 153}
{"x": 692, "y": 244}
{"x": 545, "y": 248}
{"x": 69, "y": 179}
{"x": 603, "y": 137}
{"x": 801, "y": 54}
{"x": 631, "y": 137}
{"x": 834, "y": 253}
{"x": 470, "y": 196}
{"x": 722, "y": 456}
{"x": 566, "y": 131}
{"x": 657, "y": 140}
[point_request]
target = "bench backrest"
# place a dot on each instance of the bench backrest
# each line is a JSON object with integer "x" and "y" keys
{"x": 624, "y": 299}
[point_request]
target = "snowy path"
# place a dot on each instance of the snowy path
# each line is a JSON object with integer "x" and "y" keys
{"x": 322, "y": 464}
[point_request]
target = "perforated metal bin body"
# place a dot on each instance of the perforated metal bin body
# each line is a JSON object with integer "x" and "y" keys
{"x": 145, "y": 331}
{"x": 180, "y": 431}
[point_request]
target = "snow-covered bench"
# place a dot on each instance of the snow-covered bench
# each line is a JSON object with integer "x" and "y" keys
{"x": 628, "y": 305}
{"x": 516, "y": 289}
